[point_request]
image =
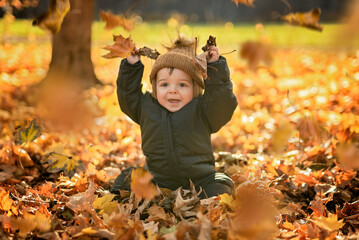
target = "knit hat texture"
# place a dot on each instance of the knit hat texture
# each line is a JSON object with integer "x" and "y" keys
{"x": 180, "y": 55}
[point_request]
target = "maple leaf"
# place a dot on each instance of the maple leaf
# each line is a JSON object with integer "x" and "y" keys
{"x": 52, "y": 19}
{"x": 59, "y": 162}
{"x": 105, "y": 204}
{"x": 30, "y": 133}
{"x": 307, "y": 19}
{"x": 113, "y": 21}
{"x": 256, "y": 52}
{"x": 248, "y": 3}
{"x": 141, "y": 184}
{"x": 123, "y": 47}
{"x": 329, "y": 223}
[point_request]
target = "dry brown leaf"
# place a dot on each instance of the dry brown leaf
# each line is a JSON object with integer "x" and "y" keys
{"x": 318, "y": 208}
{"x": 113, "y": 21}
{"x": 123, "y": 47}
{"x": 157, "y": 213}
{"x": 141, "y": 184}
{"x": 200, "y": 62}
{"x": 78, "y": 201}
{"x": 248, "y": 3}
{"x": 52, "y": 19}
{"x": 308, "y": 19}
{"x": 148, "y": 52}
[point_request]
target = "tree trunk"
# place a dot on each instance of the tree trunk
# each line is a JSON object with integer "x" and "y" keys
{"x": 71, "y": 48}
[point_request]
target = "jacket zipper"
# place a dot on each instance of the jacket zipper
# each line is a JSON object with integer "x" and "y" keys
{"x": 172, "y": 155}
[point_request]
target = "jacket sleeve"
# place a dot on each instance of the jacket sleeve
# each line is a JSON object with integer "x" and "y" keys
{"x": 218, "y": 101}
{"x": 129, "y": 89}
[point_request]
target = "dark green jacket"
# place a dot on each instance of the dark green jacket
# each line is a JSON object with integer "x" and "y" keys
{"x": 177, "y": 145}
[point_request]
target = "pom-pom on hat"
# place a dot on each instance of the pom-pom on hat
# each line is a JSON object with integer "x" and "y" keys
{"x": 180, "y": 55}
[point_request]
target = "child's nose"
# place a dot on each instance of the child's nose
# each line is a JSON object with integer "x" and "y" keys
{"x": 173, "y": 89}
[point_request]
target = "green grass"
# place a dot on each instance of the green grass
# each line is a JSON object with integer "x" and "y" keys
{"x": 229, "y": 35}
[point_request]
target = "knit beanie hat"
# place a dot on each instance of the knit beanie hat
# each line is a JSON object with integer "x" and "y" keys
{"x": 180, "y": 55}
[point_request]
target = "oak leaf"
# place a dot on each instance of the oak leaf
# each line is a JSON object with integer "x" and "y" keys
{"x": 52, "y": 19}
{"x": 113, "y": 21}
{"x": 59, "y": 162}
{"x": 123, "y": 47}
{"x": 329, "y": 223}
{"x": 30, "y": 133}
{"x": 141, "y": 184}
{"x": 307, "y": 19}
{"x": 248, "y": 3}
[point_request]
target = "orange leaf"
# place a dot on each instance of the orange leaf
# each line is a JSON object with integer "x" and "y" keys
{"x": 141, "y": 184}
{"x": 248, "y": 3}
{"x": 318, "y": 207}
{"x": 307, "y": 19}
{"x": 113, "y": 21}
{"x": 256, "y": 52}
{"x": 5, "y": 201}
{"x": 301, "y": 178}
{"x": 122, "y": 47}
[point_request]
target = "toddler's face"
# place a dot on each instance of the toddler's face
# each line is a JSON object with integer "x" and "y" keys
{"x": 174, "y": 90}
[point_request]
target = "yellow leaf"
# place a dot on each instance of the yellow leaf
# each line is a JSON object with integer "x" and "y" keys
{"x": 307, "y": 19}
{"x": 329, "y": 223}
{"x": 52, "y": 19}
{"x": 89, "y": 230}
{"x": 31, "y": 222}
{"x": 105, "y": 204}
{"x": 226, "y": 200}
{"x": 59, "y": 162}
{"x": 141, "y": 184}
{"x": 280, "y": 137}
{"x": 30, "y": 133}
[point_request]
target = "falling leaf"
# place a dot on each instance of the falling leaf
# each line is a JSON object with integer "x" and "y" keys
{"x": 141, "y": 184}
{"x": 307, "y": 19}
{"x": 248, "y": 3}
{"x": 123, "y": 47}
{"x": 310, "y": 129}
{"x": 113, "y": 21}
{"x": 348, "y": 155}
{"x": 329, "y": 223}
{"x": 256, "y": 52}
{"x": 105, "y": 204}
{"x": 52, "y": 19}
{"x": 59, "y": 162}
{"x": 280, "y": 137}
{"x": 30, "y": 133}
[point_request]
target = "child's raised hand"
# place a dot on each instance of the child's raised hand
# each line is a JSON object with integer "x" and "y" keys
{"x": 213, "y": 54}
{"x": 134, "y": 57}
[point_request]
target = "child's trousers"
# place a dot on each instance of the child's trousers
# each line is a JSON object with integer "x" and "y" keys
{"x": 212, "y": 185}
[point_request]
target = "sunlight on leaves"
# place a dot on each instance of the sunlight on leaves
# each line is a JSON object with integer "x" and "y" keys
{"x": 59, "y": 162}
{"x": 141, "y": 184}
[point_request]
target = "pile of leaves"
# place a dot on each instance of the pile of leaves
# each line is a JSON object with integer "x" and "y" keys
{"x": 291, "y": 148}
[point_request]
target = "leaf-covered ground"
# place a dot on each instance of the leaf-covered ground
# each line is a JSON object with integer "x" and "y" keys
{"x": 291, "y": 149}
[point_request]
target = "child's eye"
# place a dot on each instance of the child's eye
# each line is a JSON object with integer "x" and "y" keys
{"x": 183, "y": 85}
{"x": 163, "y": 85}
